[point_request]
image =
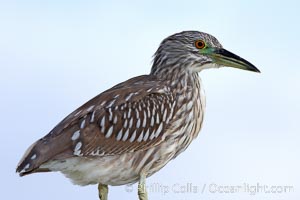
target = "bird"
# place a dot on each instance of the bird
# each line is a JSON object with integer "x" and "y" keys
{"x": 132, "y": 130}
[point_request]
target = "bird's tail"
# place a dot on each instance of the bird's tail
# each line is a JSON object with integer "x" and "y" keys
{"x": 26, "y": 164}
{"x": 42, "y": 151}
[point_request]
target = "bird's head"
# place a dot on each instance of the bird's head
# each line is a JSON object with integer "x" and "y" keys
{"x": 195, "y": 51}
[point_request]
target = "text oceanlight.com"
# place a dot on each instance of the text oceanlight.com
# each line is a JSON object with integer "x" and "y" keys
{"x": 213, "y": 188}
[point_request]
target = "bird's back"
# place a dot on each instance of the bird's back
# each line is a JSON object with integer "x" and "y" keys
{"x": 132, "y": 117}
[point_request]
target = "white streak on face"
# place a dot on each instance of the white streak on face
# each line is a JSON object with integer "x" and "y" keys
{"x": 199, "y": 68}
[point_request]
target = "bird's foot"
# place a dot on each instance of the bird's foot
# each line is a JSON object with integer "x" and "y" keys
{"x": 103, "y": 191}
{"x": 142, "y": 190}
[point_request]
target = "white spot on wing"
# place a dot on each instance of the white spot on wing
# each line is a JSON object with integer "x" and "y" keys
{"x": 25, "y": 168}
{"x": 171, "y": 112}
{"x": 146, "y": 135}
{"x": 102, "y": 124}
{"x": 130, "y": 123}
{"x": 120, "y": 134}
{"x": 141, "y": 137}
{"x": 129, "y": 96}
{"x": 149, "y": 114}
{"x": 153, "y": 111}
{"x": 152, "y": 121}
{"x": 125, "y": 123}
{"x": 77, "y": 148}
{"x": 33, "y": 157}
{"x": 125, "y": 135}
{"x": 109, "y": 132}
{"x": 138, "y": 123}
{"x": 104, "y": 102}
{"x": 115, "y": 119}
{"x": 82, "y": 124}
{"x": 152, "y": 135}
{"x": 129, "y": 113}
{"x": 93, "y": 117}
{"x": 90, "y": 108}
{"x": 133, "y": 136}
{"x": 111, "y": 103}
{"x": 159, "y": 130}
{"x": 75, "y": 135}
{"x": 110, "y": 117}
{"x": 157, "y": 118}
{"x": 145, "y": 119}
{"x": 164, "y": 116}
{"x": 162, "y": 108}
{"x": 78, "y": 113}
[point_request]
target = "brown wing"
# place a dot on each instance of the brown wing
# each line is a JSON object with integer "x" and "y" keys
{"x": 128, "y": 117}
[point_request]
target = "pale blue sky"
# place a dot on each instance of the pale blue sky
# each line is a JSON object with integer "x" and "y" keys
{"x": 55, "y": 55}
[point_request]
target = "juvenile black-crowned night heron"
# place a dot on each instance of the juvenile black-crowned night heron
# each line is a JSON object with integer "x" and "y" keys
{"x": 132, "y": 130}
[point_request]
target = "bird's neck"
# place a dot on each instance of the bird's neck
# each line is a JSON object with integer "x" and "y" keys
{"x": 179, "y": 78}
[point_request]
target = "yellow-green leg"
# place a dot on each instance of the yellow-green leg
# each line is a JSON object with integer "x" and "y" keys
{"x": 142, "y": 191}
{"x": 103, "y": 191}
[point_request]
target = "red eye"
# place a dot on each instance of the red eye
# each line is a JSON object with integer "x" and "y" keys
{"x": 199, "y": 44}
